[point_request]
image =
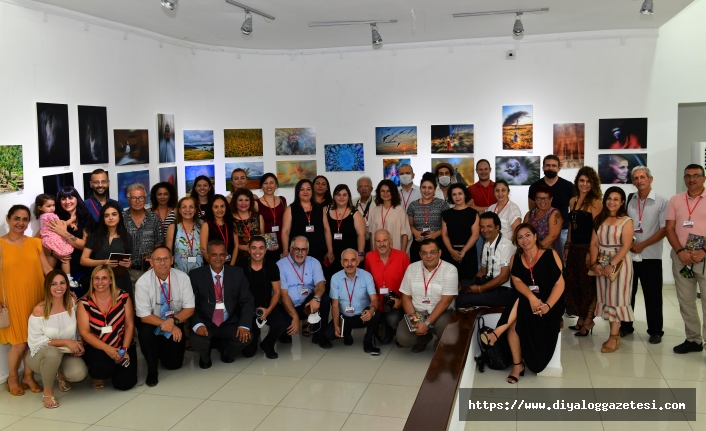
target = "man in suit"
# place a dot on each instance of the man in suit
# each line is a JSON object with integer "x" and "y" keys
{"x": 224, "y": 307}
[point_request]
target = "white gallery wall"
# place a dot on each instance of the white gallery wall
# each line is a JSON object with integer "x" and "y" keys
{"x": 59, "y": 61}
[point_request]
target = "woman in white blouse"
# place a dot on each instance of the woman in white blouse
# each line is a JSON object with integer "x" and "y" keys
{"x": 54, "y": 349}
{"x": 508, "y": 211}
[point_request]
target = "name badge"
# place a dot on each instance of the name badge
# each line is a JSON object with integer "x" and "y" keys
{"x": 220, "y": 306}
{"x": 426, "y": 229}
{"x": 228, "y": 257}
{"x": 275, "y": 228}
{"x": 106, "y": 330}
{"x": 304, "y": 292}
{"x": 426, "y": 301}
{"x": 169, "y": 314}
{"x": 638, "y": 229}
{"x": 191, "y": 259}
{"x": 350, "y": 310}
{"x": 367, "y": 223}
{"x": 337, "y": 236}
{"x": 384, "y": 291}
{"x": 688, "y": 223}
{"x": 534, "y": 289}
{"x": 309, "y": 228}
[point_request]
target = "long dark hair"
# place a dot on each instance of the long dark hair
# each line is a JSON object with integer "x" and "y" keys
{"x": 394, "y": 193}
{"x": 82, "y": 213}
{"x": 595, "y": 193}
{"x": 211, "y": 191}
{"x": 227, "y": 217}
{"x": 328, "y": 199}
{"x": 298, "y": 188}
{"x": 100, "y": 234}
{"x": 598, "y": 221}
{"x": 171, "y": 203}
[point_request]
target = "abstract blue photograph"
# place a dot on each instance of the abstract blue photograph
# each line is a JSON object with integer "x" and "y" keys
{"x": 344, "y": 157}
{"x": 191, "y": 172}
{"x": 128, "y": 178}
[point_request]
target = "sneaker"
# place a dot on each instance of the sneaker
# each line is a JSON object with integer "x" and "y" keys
{"x": 368, "y": 348}
{"x": 688, "y": 346}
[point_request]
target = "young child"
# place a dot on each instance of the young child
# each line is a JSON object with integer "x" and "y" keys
{"x": 44, "y": 211}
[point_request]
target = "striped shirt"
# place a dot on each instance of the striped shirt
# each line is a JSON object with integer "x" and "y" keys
{"x": 115, "y": 318}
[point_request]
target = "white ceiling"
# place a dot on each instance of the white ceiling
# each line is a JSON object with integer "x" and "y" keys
{"x": 215, "y": 22}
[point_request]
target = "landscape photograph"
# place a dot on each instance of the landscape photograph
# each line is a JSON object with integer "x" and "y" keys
{"x": 198, "y": 145}
{"x": 396, "y": 140}
{"x": 242, "y": 142}
{"x": 518, "y": 127}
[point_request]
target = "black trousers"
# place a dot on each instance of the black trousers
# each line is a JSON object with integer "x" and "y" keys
{"x": 101, "y": 366}
{"x": 227, "y": 336}
{"x": 501, "y": 296}
{"x": 353, "y": 322}
{"x": 324, "y": 311}
{"x": 159, "y": 348}
{"x": 649, "y": 274}
{"x": 277, "y": 327}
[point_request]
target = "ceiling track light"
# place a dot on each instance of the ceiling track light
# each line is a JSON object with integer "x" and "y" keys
{"x": 169, "y": 4}
{"x": 248, "y": 9}
{"x": 332, "y": 23}
{"x": 518, "y": 29}
{"x": 503, "y": 12}
{"x": 246, "y": 28}
{"x": 377, "y": 39}
{"x": 647, "y": 8}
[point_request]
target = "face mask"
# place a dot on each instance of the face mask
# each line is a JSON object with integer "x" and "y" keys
{"x": 406, "y": 179}
{"x": 550, "y": 174}
{"x": 444, "y": 181}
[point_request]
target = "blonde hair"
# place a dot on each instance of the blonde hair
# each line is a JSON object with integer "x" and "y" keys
{"x": 113, "y": 286}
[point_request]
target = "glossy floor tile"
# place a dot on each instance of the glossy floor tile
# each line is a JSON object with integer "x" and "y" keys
{"x": 224, "y": 416}
{"x": 291, "y": 419}
{"x": 256, "y": 389}
{"x": 327, "y": 395}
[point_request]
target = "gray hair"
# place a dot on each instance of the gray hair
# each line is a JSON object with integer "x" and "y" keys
{"x": 641, "y": 168}
{"x": 302, "y": 237}
{"x": 215, "y": 243}
{"x": 357, "y": 183}
{"x": 349, "y": 249}
{"x": 135, "y": 186}
{"x": 389, "y": 235}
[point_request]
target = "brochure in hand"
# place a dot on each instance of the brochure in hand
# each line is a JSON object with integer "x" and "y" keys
{"x": 414, "y": 319}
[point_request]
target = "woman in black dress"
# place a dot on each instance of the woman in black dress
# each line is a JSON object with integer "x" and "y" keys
{"x": 221, "y": 226}
{"x": 322, "y": 191}
{"x": 204, "y": 193}
{"x": 532, "y": 324}
{"x": 306, "y": 218}
{"x": 110, "y": 237}
{"x": 460, "y": 230}
{"x": 347, "y": 227}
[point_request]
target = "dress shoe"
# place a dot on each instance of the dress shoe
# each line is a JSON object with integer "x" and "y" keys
{"x": 688, "y": 346}
{"x": 151, "y": 380}
{"x": 418, "y": 348}
{"x": 348, "y": 340}
{"x": 368, "y": 348}
{"x": 205, "y": 365}
{"x": 323, "y": 342}
{"x": 285, "y": 339}
{"x": 655, "y": 339}
{"x": 226, "y": 359}
{"x": 269, "y": 351}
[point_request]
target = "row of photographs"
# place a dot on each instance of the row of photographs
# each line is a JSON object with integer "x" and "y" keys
{"x": 516, "y": 170}
{"x": 132, "y": 146}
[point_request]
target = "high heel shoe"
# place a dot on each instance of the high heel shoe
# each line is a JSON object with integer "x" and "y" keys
{"x": 512, "y": 379}
{"x": 18, "y": 391}
{"x": 588, "y": 328}
{"x": 485, "y": 339}
{"x": 577, "y": 326}
{"x": 606, "y": 349}
{"x": 36, "y": 388}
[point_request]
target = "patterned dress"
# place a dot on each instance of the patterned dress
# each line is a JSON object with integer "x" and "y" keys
{"x": 115, "y": 318}
{"x": 542, "y": 223}
{"x": 613, "y": 302}
{"x": 185, "y": 245}
{"x": 245, "y": 229}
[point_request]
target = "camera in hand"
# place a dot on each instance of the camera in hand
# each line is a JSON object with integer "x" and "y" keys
{"x": 388, "y": 302}
{"x": 259, "y": 312}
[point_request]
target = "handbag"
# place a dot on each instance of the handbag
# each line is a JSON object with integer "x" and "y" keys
{"x": 613, "y": 276}
{"x": 492, "y": 356}
{"x": 4, "y": 312}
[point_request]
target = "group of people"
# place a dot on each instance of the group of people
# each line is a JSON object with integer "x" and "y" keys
{"x": 209, "y": 271}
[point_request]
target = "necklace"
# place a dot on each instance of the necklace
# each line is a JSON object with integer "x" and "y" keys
{"x": 13, "y": 241}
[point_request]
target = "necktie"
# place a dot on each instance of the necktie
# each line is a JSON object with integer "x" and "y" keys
{"x": 218, "y": 314}
{"x": 164, "y": 307}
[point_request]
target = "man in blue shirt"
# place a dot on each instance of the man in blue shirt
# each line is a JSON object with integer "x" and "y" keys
{"x": 303, "y": 292}
{"x": 100, "y": 185}
{"x": 354, "y": 300}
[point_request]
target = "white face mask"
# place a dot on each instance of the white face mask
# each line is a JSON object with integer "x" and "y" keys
{"x": 406, "y": 179}
{"x": 444, "y": 181}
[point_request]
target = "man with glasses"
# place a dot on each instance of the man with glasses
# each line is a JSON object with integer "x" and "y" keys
{"x": 145, "y": 228}
{"x": 224, "y": 307}
{"x": 164, "y": 300}
{"x": 491, "y": 286}
{"x": 99, "y": 184}
{"x": 428, "y": 288}
{"x": 303, "y": 292}
{"x": 562, "y": 190}
{"x": 364, "y": 203}
{"x": 686, "y": 230}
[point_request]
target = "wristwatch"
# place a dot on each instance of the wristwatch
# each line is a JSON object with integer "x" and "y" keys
{"x": 176, "y": 321}
{"x": 318, "y": 298}
{"x": 429, "y": 325}
{"x": 613, "y": 266}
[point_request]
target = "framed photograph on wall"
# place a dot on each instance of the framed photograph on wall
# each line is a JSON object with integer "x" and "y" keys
{"x": 517, "y": 170}
{"x": 295, "y": 141}
{"x": 616, "y": 168}
{"x": 390, "y": 141}
{"x": 242, "y": 142}
{"x": 518, "y": 127}
{"x": 344, "y": 157}
{"x": 290, "y": 172}
{"x": 132, "y": 147}
{"x": 198, "y": 145}
{"x": 391, "y": 169}
{"x": 622, "y": 134}
{"x": 463, "y": 168}
{"x": 87, "y": 190}
{"x": 194, "y": 171}
{"x": 54, "y": 183}
{"x": 126, "y": 179}
{"x": 53, "y": 135}
{"x": 93, "y": 134}
{"x": 253, "y": 172}
{"x": 165, "y": 134}
{"x": 569, "y": 144}
{"x": 11, "y": 169}
{"x": 452, "y": 139}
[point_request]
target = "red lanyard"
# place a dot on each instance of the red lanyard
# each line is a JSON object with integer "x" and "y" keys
{"x": 409, "y": 196}
{"x": 424, "y": 213}
{"x": 383, "y": 216}
{"x": 218, "y": 288}
{"x": 297, "y": 272}
{"x": 531, "y": 268}
{"x": 691, "y": 210}
{"x": 308, "y": 216}
{"x": 272, "y": 209}
{"x": 350, "y": 293}
{"x": 190, "y": 241}
{"x": 225, "y": 237}
{"x": 338, "y": 223}
{"x": 640, "y": 211}
{"x": 94, "y": 206}
{"x": 496, "y": 207}
{"x": 426, "y": 283}
{"x": 164, "y": 220}
{"x": 168, "y": 293}
{"x": 245, "y": 228}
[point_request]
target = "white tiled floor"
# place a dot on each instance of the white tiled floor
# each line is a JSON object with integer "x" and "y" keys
{"x": 343, "y": 388}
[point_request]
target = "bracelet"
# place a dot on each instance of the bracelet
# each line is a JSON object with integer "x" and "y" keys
{"x": 550, "y": 307}
{"x": 680, "y": 250}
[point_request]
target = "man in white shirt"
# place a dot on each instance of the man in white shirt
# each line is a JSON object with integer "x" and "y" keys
{"x": 364, "y": 204}
{"x": 408, "y": 191}
{"x": 491, "y": 285}
{"x": 164, "y": 300}
{"x": 428, "y": 288}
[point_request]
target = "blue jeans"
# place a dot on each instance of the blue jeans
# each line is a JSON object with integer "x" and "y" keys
{"x": 479, "y": 248}
{"x": 560, "y": 242}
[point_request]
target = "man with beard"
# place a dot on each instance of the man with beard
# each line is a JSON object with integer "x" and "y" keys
{"x": 562, "y": 190}
{"x": 99, "y": 184}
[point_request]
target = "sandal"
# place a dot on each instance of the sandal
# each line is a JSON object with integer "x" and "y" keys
{"x": 512, "y": 379}
{"x": 98, "y": 384}
{"x": 54, "y": 403}
{"x": 18, "y": 391}
{"x": 306, "y": 332}
{"x": 36, "y": 388}
{"x": 485, "y": 339}
{"x": 64, "y": 385}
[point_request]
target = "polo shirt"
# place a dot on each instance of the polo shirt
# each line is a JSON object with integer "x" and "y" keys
{"x": 495, "y": 258}
{"x": 389, "y": 275}
{"x": 359, "y": 289}
{"x": 678, "y": 211}
{"x": 94, "y": 207}
{"x": 148, "y": 293}
{"x": 290, "y": 272}
{"x": 444, "y": 282}
{"x": 482, "y": 196}
{"x": 407, "y": 197}
{"x": 563, "y": 191}
{"x": 654, "y": 213}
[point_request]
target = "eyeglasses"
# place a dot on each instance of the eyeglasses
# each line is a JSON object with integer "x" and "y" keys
{"x": 429, "y": 253}
{"x": 692, "y": 177}
{"x": 300, "y": 250}
{"x": 543, "y": 199}
{"x": 161, "y": 259}
{"x": 137, "y": 199}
